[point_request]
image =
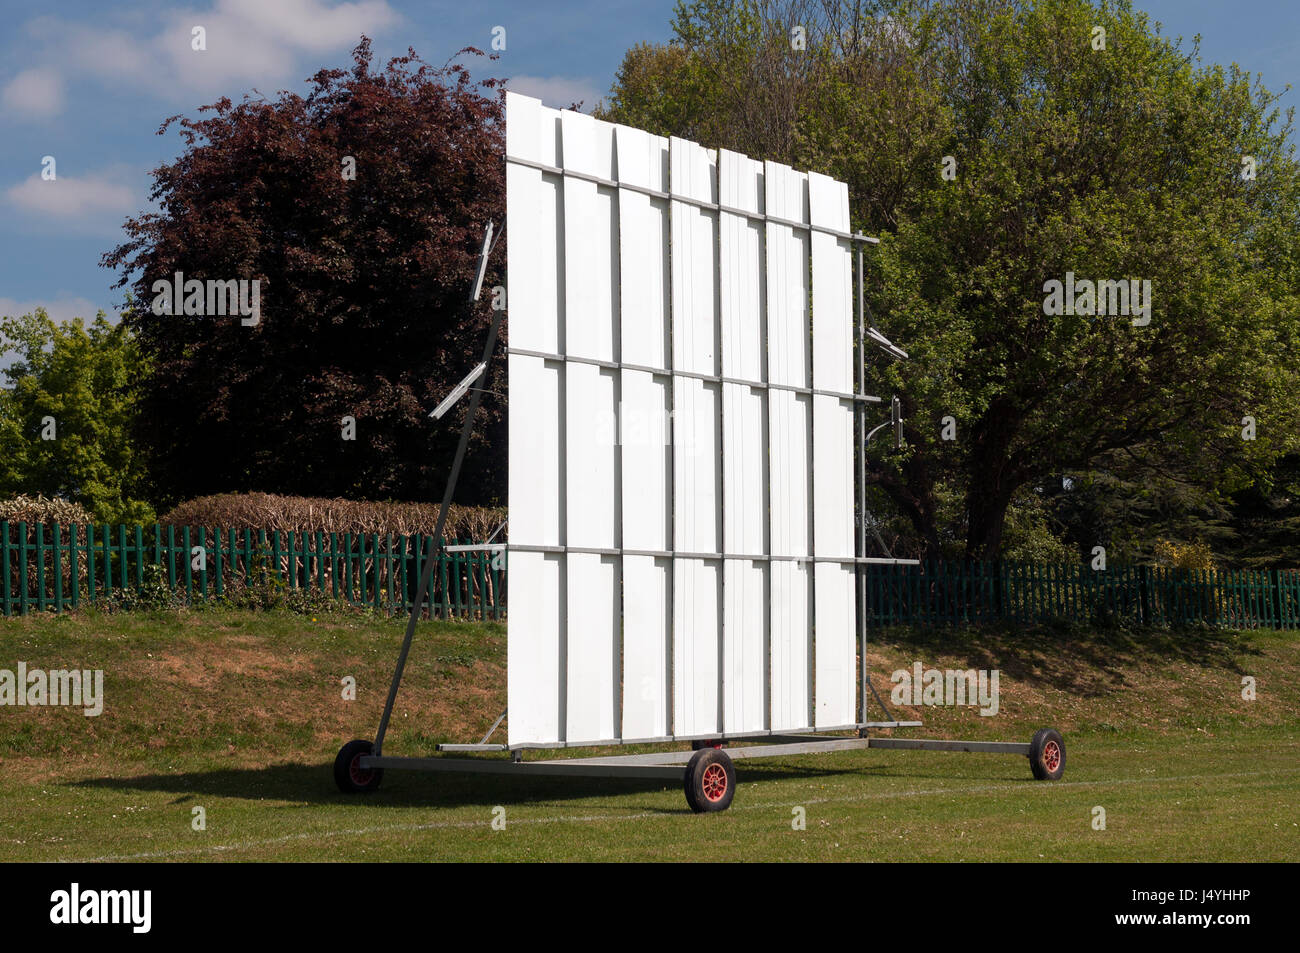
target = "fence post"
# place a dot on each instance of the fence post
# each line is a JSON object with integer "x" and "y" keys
{"x": 139, "y": 557}
{"x": 4, "y": 565}
{"x": 1280, "y": 595}
{"x": 58, "y": 567}
{"x": 216, "y": 561}
{"x": 1144, "y": 595}
{"x": 74, "y": 575}
{"x": 40, "y": 567}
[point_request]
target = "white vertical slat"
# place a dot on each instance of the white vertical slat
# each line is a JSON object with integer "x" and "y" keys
{"x": 697, "y": 481}
{"x": 593, "y": 689}
{"x": 534, "y": 245}
{"x": 832, "y": 476}
{"x": 832, "y": 303}
{"x": 834, "y": 645}
{"x": 644, "y": 432}
{"x": 790, "y": 456}
{"x": 696, "y": 582}
{"x": 741, "y": 254}
{"x": 647, "y": 596}
{"x": 697, "y": 588}
{"x": 744, "y": 676}
{"x": 791, "y": 645}
{"x": 832, "y": 285}
{"x": 590, "y": 241}
{"x": 534, "y": 204}
{"x": 694, "y": 259}
{"x": 536, "y": 438}
{"x": 787, "y": 277}
{"x": 745, "y": 609}
{"x": 744, "y": 446}
{"x": 593, "y": 659}
{"x": 534, "y": 677}
{"x": 644, "y": 234}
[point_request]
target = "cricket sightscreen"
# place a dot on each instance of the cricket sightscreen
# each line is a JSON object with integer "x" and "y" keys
{"x": 681, "y": 416}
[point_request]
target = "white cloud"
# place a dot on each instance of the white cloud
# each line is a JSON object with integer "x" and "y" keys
{"x": 557, "y": 91}
{"x": 249, "y": 43}
{"x": 87, "y": 197}
{"x": 34, "y": 94}
{"x": 62, "y": 307}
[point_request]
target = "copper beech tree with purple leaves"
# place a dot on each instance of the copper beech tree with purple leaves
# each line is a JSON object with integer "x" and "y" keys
{"x": 363, "y": 286}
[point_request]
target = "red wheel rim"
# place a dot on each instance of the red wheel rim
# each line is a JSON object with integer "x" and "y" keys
{"x": 1051, "y": 756}
{"x": 359, "y": 776}
{"x": 714, "y": 782}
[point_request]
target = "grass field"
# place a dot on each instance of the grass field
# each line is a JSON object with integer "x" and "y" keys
{"x": 241, "y": 714}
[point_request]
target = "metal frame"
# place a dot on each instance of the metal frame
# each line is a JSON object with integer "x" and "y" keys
{"x": 671, "y": 765}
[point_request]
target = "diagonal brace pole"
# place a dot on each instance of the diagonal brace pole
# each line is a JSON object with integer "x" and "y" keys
{"x": 426, "y": 577}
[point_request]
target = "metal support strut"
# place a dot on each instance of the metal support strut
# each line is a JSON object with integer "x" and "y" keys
{"x": 426, "y": 577}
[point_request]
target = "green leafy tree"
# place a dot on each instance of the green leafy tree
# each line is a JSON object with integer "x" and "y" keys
{"x": 1114, "y": 162}
{"x": 67, "y": 414}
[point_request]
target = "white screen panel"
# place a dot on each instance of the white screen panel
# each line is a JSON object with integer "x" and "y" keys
{"x": 743, "y": 295}
{"x": 832, "y": 476}
{"x": 593, "y": 662}
{"x": 644, "y": 234}
{"x": 647, "y": 594}
{"x": 697, "y": 515}
{"x": 788, "y": 359}
{"x": 535, "y": 677}
{"x": 790, "y": 429}
{"x": 832, "y": 278}
{"x": 591, "y": 461}
{"x": 591, "y": 244}
{"x": 644, "y": 436}
{"x": 744, "y": 649}
{"x": 697, "y": 585}
{"x": 537, "y": 491}
{"x": 694, "y": 172}
{"x": 832, "y": 300}
{"x": 791, "y": 645}
{"x": 833, "y": 644}
{"x": 535, "y": 253}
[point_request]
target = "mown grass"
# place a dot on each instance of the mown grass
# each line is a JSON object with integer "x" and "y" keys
{"x": 241, "y": 713}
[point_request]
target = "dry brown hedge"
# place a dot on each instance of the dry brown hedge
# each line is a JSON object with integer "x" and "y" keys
{"x": 270, "y": 511}
{"x": 40, "y": 509}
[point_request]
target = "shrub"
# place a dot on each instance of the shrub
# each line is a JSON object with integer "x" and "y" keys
{"x": 40, "y": 509}
{"x": 272, "y": 512}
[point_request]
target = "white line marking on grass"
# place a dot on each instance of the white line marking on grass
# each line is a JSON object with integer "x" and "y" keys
{"x": 354, "y": 832}
{"x": 596, "y": 818}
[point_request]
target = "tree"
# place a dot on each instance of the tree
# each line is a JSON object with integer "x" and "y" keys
{"x": 1108, "y": 162}
{"x": 66, "y": 416}
{"x": 360, "y": 208}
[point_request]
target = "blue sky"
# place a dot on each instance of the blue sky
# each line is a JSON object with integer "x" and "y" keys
{"x": 88, "y": 82}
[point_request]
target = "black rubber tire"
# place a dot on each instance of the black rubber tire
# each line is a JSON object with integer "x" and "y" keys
{"x": 349, "y": 777}
{"x": 696, "y": 769}
{"x": 1047, "y": 755}
{"x": 701, "y": 745}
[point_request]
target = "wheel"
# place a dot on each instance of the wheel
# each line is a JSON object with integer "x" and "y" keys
{"x": 701, "y": 745}
{"x": 348, "y": 773}
{"x": 1047, "y": 754}
{"x": 710, "y": 781}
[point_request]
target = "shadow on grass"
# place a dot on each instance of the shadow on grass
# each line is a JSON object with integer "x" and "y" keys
{"x": 314, "y": 784}
{"x": 1087, "y": 661}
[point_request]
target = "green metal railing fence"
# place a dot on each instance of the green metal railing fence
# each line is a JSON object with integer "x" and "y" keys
{"x": 938, "y": 593}
{"x": 46, "y": 568}
{"x": 52, "y": 568}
